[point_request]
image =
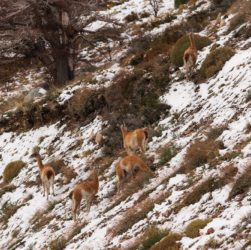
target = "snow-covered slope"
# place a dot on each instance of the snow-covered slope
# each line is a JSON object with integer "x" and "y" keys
{"x": 115, "y": 221}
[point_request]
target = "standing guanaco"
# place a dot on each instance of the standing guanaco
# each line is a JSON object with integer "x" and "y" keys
{"x": 127, "y": 166}
{"x": 47, "y": 174}
{"x": 87, "y": 190}
{"x": 190, "y": 56}
{"x": 133, "y": 140}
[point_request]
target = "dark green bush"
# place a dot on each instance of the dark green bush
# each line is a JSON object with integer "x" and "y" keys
{"x": 180, "y": 2}
{"x": 182, "y": 44}
{"x": 12, "y": 170}
{"x": 167, "y": 154}
{"x": 170, "y": 242}
{"x": 151, "y": 236}
{"x": 215, "y": 61}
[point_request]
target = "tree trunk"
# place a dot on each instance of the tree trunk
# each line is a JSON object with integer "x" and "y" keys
{"x": 64, "y": 71}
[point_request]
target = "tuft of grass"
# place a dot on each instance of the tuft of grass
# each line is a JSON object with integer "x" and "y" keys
{"x": 177, "y": 3}
{"x": 236, "y": 21}
{"x": 214, "y": 133}
{"x": 230, "y": 155}
{"x": 212, "y": 244}
{"x": 182, "y": 44}
{"x": 195, "y": 195}
{"x": 39, "y": 220}
{"x": 199, "y": 153}
{"x": 167, "y": 154}
{"x": 131, "y": 17}
{"x": 58, "y": 244}
{"x": 84, "y": 103}
{"x": 6, "y": 188}
{"x": 135, "y": 214}
{"x": 12, "y": 170}
{"x": 151, "y": 236}
{"x": 193, "y": 229}
{"x": 169, "y": 242}
{"x": 60, "y": 167}
{"x": 242, "y": 184}
{"x": 215, "y": 61}
{"x": 8, "y": 210}
{"x": 248, "y": 96}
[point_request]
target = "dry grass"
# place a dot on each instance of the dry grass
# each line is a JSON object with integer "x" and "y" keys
{"x": 212, "y": 244}
{"x": 150, "y": 237}
{"x": 197, "y": 192}
{"x": 4, "y": 188}
{"x": 199, "y": 153}
{"x": 132, "y": 186}
{"x": 12, "y": 170}
{"x": 166, "y": 154}
{"x": 134, "y": 214}
{"x": 8, "y": 210}
{"x": 170, "y": 242}
{"x": 214, "y": 62}
{"x": 58, "y": 244}
{"x": 60, "y": 167}
{"x": 40, "y": 219}
{"x": 193, "y": 229}
{"x": 214, "y": 133}
{"x": 242, "y": 184}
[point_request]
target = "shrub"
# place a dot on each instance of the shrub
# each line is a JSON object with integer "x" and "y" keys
{"x": 195, "y": 195}
{"x": 242, "y": 184}
{"x": 7, "y": 211}
{"x": 236, "y": 21}
{"x": 214, "y": 133}
{"x": 182, "y": 44}
{"x": 58, "y": 244}
{"x": 199, "y": 153}
{"x": 248, "y": 96}
{"x": 170, "y": 242}
{"x": 151, "y": 236}
{"x": 131, "y": 17}
{"x": 193, "y": 229}
{"x": 177, "y": 3}
{"x": 167, "y": 154}
{"x": 6, "y": 188}
{"x": 12, "y": 170}
{"x": 215, "y": 61}
{"x": 85, "y": 102}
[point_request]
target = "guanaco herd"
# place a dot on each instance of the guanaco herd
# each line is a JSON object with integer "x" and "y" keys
{"x": 133, "y": 141}
{"x": 86, "y": 190}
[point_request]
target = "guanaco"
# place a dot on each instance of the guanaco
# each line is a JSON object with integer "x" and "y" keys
{"x": 190, "y": 56}
{"x": 134, "y": 140}
{"x": 87, "y": 190}
{"x": 47, "y": 174}
{"x": 127, "y": 167}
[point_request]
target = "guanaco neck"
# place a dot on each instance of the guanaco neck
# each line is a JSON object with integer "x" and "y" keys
{"x": 124, "y": 132}
{"x": 39, "y": 162}
{"x": 192, "y": 42}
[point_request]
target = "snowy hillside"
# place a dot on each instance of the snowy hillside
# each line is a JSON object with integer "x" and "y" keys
{"x": 198, "y": 196}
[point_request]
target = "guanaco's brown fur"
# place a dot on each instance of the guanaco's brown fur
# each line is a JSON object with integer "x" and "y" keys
{"x": 134, "y": 140}
{"x": 190, "y": 56}
{"x": 47, "y": 175}
{"x": 87, "y": 190}
{"x": 127, "y": 166}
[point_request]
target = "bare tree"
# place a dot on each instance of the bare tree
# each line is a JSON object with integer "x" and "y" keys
{"x": 50, "y": 30}
{"x": 155, "y": 4}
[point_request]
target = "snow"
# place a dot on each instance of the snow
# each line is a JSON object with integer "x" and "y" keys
{"x": 220, "y": 101}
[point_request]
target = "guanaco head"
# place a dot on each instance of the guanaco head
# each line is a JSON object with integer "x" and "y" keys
{"x": 35, "y": 152}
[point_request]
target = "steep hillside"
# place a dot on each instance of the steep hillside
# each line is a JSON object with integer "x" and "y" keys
{"x": 199, "y": 147}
